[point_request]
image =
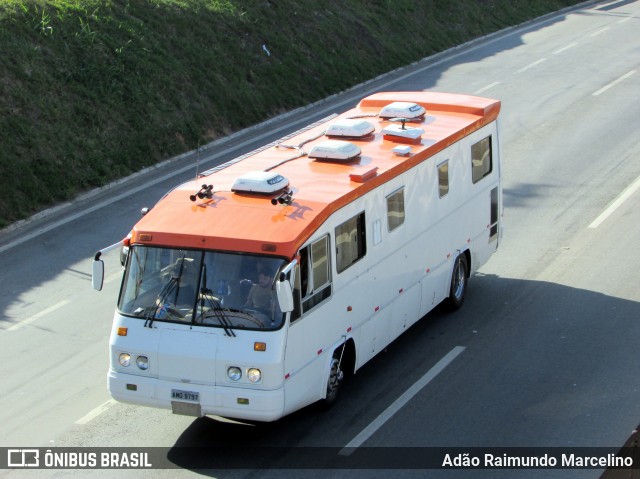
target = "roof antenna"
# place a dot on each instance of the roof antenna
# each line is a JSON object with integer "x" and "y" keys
{"x": 197, "y": 160}
{"x": 401, "y": 120}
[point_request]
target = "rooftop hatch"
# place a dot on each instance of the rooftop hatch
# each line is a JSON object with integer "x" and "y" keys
{"x": 400, "y": 132}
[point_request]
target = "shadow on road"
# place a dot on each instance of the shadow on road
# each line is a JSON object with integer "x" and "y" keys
{"x": 545, "y": 365}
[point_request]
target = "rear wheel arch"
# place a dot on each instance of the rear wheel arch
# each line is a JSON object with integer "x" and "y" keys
{"x": 341, "y": 365}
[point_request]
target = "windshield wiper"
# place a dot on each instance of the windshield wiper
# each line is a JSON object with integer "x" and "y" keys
{"x": 219, "y": 312}
{"x": 160, "y": 300}
{"x": 168, "y": 288}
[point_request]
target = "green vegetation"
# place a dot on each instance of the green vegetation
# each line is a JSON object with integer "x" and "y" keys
{"x": 93, "y": 90}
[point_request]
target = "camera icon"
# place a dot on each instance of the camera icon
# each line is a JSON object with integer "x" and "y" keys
{"x": 23, "y": 458}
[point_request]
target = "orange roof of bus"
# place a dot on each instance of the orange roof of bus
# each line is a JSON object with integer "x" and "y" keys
{"x": 250, "y": 223}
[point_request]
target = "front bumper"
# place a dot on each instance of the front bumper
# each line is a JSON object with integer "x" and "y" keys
{"x": 225, "y": 401}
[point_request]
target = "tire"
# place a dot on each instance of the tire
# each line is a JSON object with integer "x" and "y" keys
{"x": 333, "y": 382}
{"x": 458, "y": 287}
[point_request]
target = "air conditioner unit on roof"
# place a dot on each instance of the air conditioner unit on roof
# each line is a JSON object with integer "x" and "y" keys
{"x": 264, "y": 182}
{"x": 402, "y": 109}
{"x": 335, "y": 150}
{"x": 350, "y": 128}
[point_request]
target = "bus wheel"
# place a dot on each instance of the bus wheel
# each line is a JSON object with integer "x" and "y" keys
{"x": 333, "y": 383}
{"x": 458, "y": 282}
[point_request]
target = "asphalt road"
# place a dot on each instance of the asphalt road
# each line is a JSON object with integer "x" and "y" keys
{"x": 544, "y": 352}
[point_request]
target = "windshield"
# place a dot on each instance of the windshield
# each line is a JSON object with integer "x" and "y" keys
{"x": 227, "y": 290}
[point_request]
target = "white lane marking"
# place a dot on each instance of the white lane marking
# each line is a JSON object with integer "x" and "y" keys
{"x": 94, "y": 413}
{"x": 378, "y": 422}
{"x": 624, "y": 196}
{"x": 614, "y": 83}
{"x": 39, "y": 315}
{"x": 602, "y": 30}
{"x": 530, "y": 65}
{"x": 489, "y": 86}
{"x": 565, "y": 48}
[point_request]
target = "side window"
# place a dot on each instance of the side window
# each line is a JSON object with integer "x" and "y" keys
{"x": 481, "y": 162}
{"x": 351, "y": 244}
{"x": 443, "y": 178}
{"x": 320, "y": 262}
{"x": 395, "y": 209}
{"x": 313, "y": 278}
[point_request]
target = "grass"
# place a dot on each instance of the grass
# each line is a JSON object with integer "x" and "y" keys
{"x": 94, "y": 90}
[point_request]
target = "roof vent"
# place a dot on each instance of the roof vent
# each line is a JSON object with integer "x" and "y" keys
{"x": 350, "y": 128}
{"x": 335, "y": 150}
{"x": 401, "y": 133}
{"x": 265, "y": 182}
{"x": 402, "y": 150}
{"x": 402, "y": 109}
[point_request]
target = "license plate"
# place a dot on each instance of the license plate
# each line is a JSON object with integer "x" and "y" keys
{"x": 185, "y": 395}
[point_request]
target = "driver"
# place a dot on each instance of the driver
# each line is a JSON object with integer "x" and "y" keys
{"x": 185, "y": 291}
{"x": 181, "y": 293}
{"x": 260, "y": 296}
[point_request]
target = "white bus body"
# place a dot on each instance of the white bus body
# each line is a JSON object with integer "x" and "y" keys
{"x": 351, "y": 263}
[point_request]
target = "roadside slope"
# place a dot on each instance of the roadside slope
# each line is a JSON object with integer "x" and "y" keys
{"x": 93, "y": 90}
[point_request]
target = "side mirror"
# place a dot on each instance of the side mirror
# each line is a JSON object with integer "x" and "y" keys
{"x": 285, "y": 295}
{"x": 284, "y": 290}
{"x": 97, "y": 273}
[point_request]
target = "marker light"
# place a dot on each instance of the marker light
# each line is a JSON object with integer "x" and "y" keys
{"x": 259, "y": 346}
{"x": 124, "y": 359}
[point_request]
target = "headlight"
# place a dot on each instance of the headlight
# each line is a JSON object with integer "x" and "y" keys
{"x": 254, "y": 375}
{"x": 124, "y": 359}
{"x": 142, "y": 362}
{"x": 234, "y": 373}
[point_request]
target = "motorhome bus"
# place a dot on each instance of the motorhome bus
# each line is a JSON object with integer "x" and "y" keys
{"x": 251, "y": 291}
